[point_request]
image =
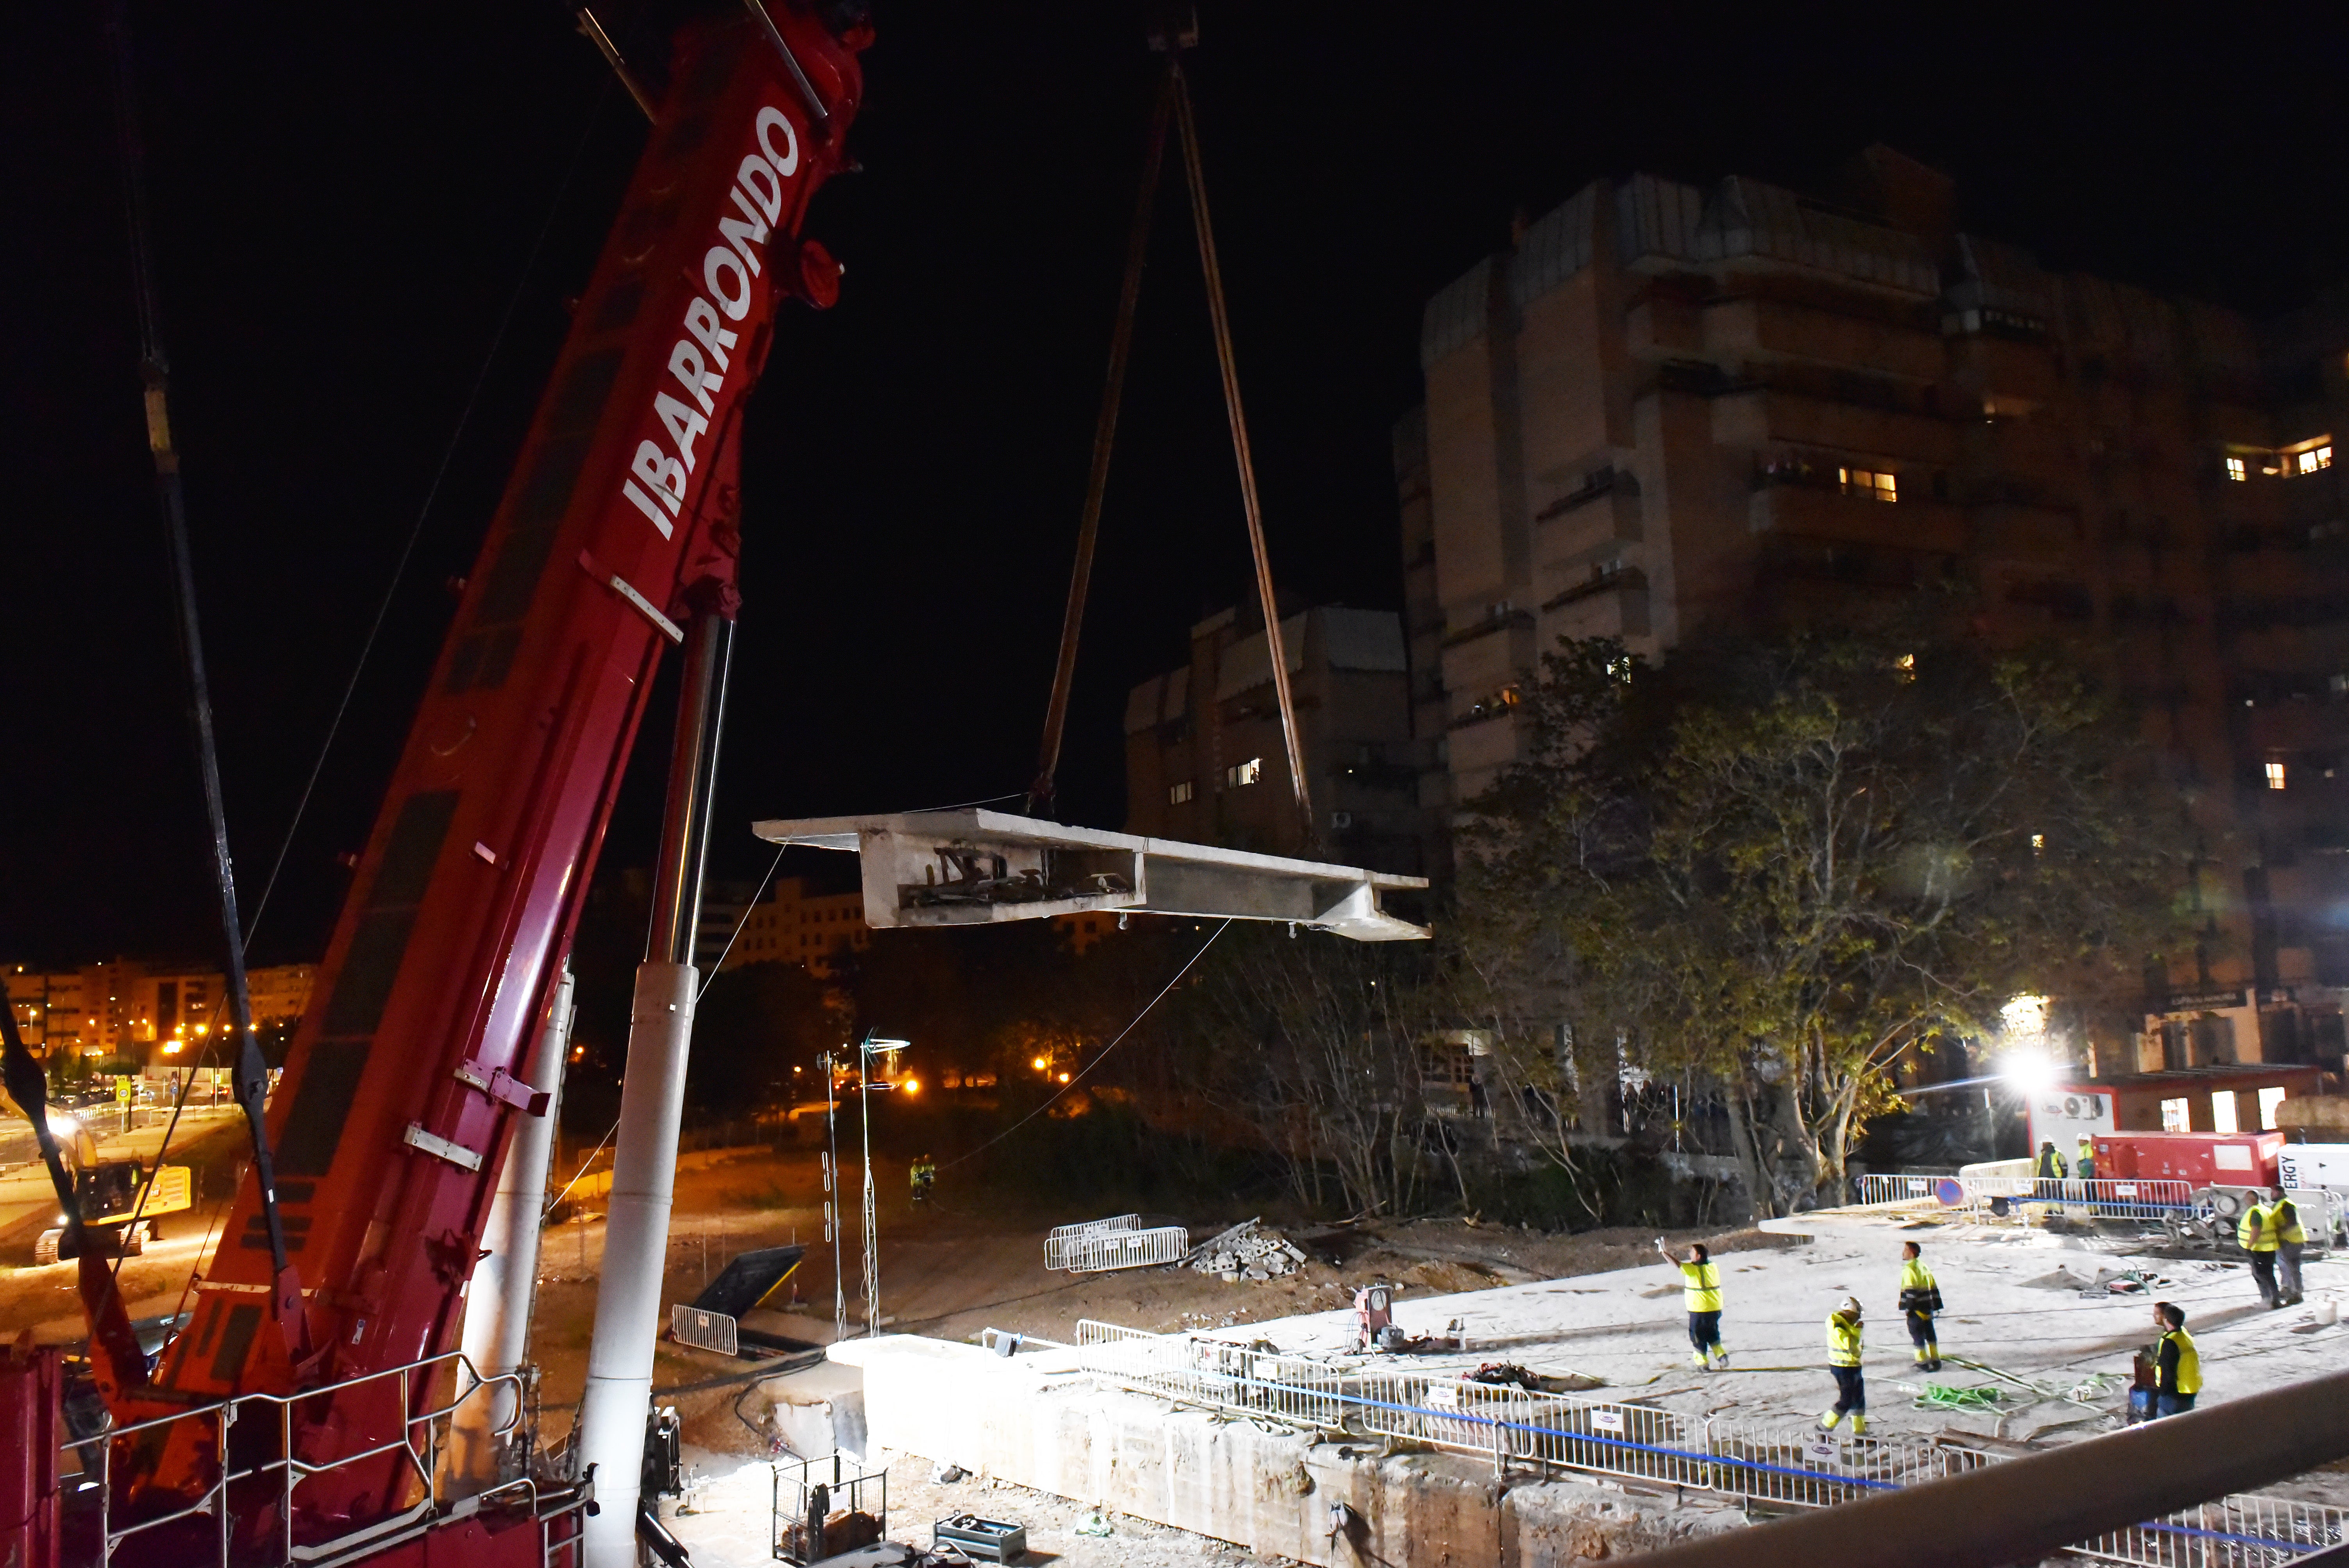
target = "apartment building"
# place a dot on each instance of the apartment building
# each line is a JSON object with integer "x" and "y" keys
{"x": 1204, "y": 760}
{"x": 1668, "y": 405}
{"x": 143, "y": 1010}
{"x": 793, "y": 926}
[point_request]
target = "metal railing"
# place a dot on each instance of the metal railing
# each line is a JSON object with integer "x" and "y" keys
{"x": 417, "y": 1441}
{"x": 1216, "y": 1374}
{"x": 1124, "y": 1249}
{"x": 1797, "y": 1466}
{"x": 1059, "y": 1240}
{"x": 2242, "y": 1531}
{"x": 704, "y": 1330}
{"x": 1989, "y": 1198}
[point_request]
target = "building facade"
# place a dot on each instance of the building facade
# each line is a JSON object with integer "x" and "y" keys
{"x": 156, "y": 1013}
{"x": 793, "y": 926}
{"x": 1204, "y": 760}
{"x": 1669, "y": 405}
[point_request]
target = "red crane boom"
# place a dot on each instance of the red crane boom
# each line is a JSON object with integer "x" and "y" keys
{"x": 399, "y": 1095}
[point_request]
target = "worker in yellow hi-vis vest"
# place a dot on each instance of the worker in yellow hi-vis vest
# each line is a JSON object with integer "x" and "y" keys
{"x": 1843, "y": 1360}
{"x": 2256, "y": 1234}
{"x": 1920, "y": 1298}
{"x": 2180, "y": 1375}
{"x": 2283, "y": 1218}
{"x": 1700, "y": 1294}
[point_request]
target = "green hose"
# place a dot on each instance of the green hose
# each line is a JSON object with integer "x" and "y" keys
{"x": 1943, "y": 1396}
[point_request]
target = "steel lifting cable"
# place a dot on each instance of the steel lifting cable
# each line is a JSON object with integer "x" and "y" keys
{"x": 1121, "y": 344}
{"x": 1174, "y": 101}
{"x": 1240, "y": 449}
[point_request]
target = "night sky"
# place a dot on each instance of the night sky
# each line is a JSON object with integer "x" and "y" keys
{"x": 347, "y": 199}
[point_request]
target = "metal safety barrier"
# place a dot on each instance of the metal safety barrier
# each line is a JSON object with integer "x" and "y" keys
{"x": 1216, "y": 1374}
{"x": 704, "y": 1330}
{"x": 415, "y": 1441}
{"x": 1797, "y": 1466}
{"x": 2239, "y": 1531}
{"x": 1061, "y": 1238}
{"x": 1124, "y": 1249}
{"x": 2022, "y": 1198}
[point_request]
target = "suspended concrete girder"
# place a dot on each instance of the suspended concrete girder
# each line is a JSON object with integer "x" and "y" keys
{"x": 973, "y": 867}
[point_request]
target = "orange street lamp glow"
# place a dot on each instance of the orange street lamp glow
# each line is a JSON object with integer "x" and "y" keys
{"x": 913, "y": 1085}
{"x": 1038, "y": 1064}
{"x": 1065, "y": 1078}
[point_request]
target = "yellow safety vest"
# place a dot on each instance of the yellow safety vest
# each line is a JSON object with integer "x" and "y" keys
{"x": 1701, "y": 1287}
{"x": 1915, "y": 1277}
{"x": 2189, "y": 1364}
{"x": 2286, "y": 1229}
{"x": 2088, "y": 1155}
{"x": 2261, "y": 1241}
{"x": 1842, "y": 1340}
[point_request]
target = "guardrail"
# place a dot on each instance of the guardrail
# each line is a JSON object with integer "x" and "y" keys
{"x": 2240, "y": 1532}
{"x": 1786, "y": 1466}
{"x": 2014, "y": 1197}
{"x": 1058, "y": 1240}
{"x": 705, "y": 1330}
{"x": 1119, "y": 1242}
{"x": 414, "y": 1442}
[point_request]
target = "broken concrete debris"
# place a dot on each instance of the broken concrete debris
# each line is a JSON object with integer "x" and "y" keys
{"x": 1246, "y": 1251}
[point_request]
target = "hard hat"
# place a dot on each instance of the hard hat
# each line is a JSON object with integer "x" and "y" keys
{"x": 1850, "y": 1307}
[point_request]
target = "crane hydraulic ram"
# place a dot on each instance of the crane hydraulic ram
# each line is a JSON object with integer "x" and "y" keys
{"x": 404, "y": 1080}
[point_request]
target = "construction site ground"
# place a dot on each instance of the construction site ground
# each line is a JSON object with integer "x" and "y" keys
{"x": 1597, "y": 1304}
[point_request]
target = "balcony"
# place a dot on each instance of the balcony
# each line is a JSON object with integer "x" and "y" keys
{"x": 1824, "y": 513}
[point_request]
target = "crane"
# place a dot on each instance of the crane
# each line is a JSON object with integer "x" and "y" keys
{"x": 293, "y": 1417}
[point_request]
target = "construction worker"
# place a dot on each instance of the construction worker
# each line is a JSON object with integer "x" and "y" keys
{"x": 923, "y": 1175}
{"x": 1920, "y": 1298}
{"x": 2050, "y": 1172}
{"x": 1843, "y": 1361}
{"x": 2181, "y": 1366}
{"x": 2284, "y": 1219}
{"x": 2084, "y": 1163}
{"x": 1700, "y": 1294}
{"x": 2256, "y": 1235}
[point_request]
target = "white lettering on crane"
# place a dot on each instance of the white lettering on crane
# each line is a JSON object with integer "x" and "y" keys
{"x": 654, "y": 483}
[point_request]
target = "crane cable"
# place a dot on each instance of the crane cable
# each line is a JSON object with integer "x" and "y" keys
{"x": 1174, "y": 101}
{"x": 1120, "y": 343}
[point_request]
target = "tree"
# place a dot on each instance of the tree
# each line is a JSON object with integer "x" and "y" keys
{"x": 1778, "y": 866}
{"x": 1311, "y": 1045}
{"x": 755, "y": 1023}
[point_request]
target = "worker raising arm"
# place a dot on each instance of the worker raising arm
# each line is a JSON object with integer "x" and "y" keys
{"x": 1700, "y": 1294}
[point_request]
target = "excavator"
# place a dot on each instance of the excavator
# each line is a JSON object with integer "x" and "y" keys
{"x": 302, "y": 1412}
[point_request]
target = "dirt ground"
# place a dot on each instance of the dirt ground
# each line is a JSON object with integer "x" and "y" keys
{"x": 956, "y": 1264}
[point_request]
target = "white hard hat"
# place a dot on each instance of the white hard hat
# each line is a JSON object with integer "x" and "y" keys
{"x": 1852, "y": 1305}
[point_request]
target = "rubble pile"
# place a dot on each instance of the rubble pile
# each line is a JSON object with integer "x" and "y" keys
{"x": 1246, "y": 1251}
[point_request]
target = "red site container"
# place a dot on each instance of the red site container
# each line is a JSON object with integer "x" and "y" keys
{"x": 2204, "y": 1159}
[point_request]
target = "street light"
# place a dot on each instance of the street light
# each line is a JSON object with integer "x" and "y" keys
{"x": 866, "y": 1049}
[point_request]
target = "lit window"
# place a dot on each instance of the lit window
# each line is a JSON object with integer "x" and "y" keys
{"x": 1242, "y": 773}
{"x": 1870, "y": 483}
{"x": 2175, "y": 1118}
{"x": 2275, "y": 775}
{"x": 2239, "y": 470}
{"x": 2269, "y": 1099}
{"x": 2038, "y": 844}
{"x": 2315, "y": 457}
{"x": 1906, "y": 665}
{"x": 1178, "y": 793}
{"x": 2222, "y": 1111}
